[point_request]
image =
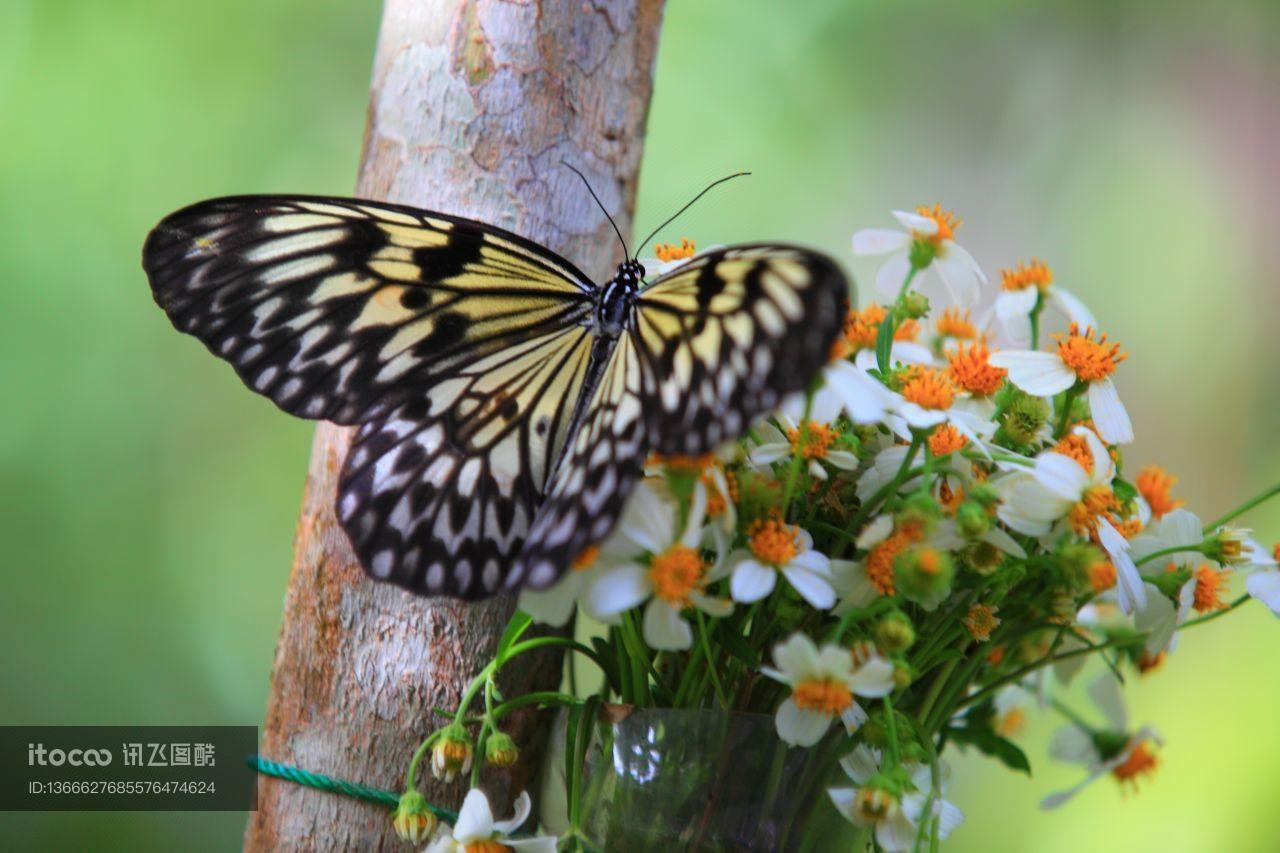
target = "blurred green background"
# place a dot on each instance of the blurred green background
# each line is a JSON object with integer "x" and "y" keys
{"x": 149, "y": 500}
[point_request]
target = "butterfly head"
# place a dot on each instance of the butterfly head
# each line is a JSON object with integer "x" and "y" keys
{"x": 613, "y": 310}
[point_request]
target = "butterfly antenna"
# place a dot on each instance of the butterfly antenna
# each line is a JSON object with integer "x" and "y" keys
{"x": 713, "y": 184}
{"x": 625, "y": 253}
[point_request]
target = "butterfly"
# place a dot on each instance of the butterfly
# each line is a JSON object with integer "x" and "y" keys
{"x": 505, "y": 402}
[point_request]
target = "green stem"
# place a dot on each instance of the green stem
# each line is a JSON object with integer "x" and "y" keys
{"x": 891, "y": 729}
{"x": 889, "y": 325}
{"x": 544, "y": 697}
{"x": 1243, "y": 508}
{"x": 1071, "y": 715}
{"x": 1035, "y": 320}
{"x": 711, "y": 663}
{"x": 1064, "y": 417}
{"x": 1018, "y": 675}
{"x": 797, "y": 455}
{"x": 1176, "y": 549}
{"x": 1209, "y": 617}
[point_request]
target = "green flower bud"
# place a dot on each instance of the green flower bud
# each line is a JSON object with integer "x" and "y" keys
{"x": 452, "y": 753}
{"x": 914, "y": 306}
{"x": 895, "y": 633}
{"x": 412, "y": 820}
{"x": 983, "y": 557}
{"x": 500, "y": 750}
{"x": 902, "y": 675}
{"x": 920, "y": 511}
{"x": 1025, "y": 417}
{"x": 1229, "y": 546}
{"x": 1075, "y": 560}
{"x": 924, "y": 575}
{"x": 983, "y": 494}
{"x": 972, "y": 519}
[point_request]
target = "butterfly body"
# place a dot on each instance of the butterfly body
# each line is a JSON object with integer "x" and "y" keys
{"x": 505, "y": 403}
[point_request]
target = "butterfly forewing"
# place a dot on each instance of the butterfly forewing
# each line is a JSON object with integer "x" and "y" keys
{"x": 460, "y": 348}
{"x": 343, "y": 310}
{"x": 726, "y": 336}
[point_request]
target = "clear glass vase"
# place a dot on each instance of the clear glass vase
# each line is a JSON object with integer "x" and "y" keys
{"x": 704, "y": 780}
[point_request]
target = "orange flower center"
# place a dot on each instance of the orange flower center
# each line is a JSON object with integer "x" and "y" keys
{"x": 667, "y": 252}
{"x": 1155, "y": 485}
{"x": 928, "y": 389}
{"x": 879, "y": 561}
{"x": 946, "y": 221}
{"x": 824, "y": 696}
{"x": 946, "y": 439}
{"x": 1077, "y": 447}
{"x": 814, "y": 442}
{"x": 955, "y": 323}
{"x": 774, "y": 542}
{"x": 1102, "y": 576}
{"x": 1011, "y": 723}
{"x": 675, "y": 573}
{"x": 586, "y": 558}
{"x": 1209, "y": 589}
{"x": 1090, "y": 360}
{"x": 1035, "y": 274}
{"x": 1141, "y": 760}
{"x": 488, "y": 845}
{"x": 873, "y": 805}
{"x": 908, "y": 330}
{"x": 981, "y": 620}
{"x": 970, "y": 368}
{"x": 861, "y": 327}
{"x": 682, "y": 464}
{"x": 1096, "y": 502}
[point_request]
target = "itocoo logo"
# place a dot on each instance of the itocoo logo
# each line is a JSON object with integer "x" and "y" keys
{"x": 38, "y": 755}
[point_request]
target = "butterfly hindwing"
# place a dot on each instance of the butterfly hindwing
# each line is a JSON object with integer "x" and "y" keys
{"x": 343, "y": 309}
{"x": 438, "y": 496}
{"x": 726, "y": 336}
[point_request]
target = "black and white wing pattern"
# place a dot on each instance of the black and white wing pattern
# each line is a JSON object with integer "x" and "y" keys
{"x": 723, "y": 338}
{"x": 341, "y": 310}
{"x": 502, "y": 427}
{"x": 461, "y": 349}
{"x": 713, "y": 345}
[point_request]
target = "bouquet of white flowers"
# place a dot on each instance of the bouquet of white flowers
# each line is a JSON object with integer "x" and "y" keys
{"x": 900, "y": 562}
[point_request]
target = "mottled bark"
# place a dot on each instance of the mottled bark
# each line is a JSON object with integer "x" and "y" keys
{"x": 473, "y": 106}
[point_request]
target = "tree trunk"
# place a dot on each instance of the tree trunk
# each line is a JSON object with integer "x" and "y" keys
{"x": 474, "y": 104}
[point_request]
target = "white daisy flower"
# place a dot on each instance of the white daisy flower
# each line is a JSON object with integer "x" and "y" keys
{"x": 1078, "y": 359}
{"x": 774, "y": 548}
{"x": 1025, "y": 285}
{"x": 1264, "y": 582}
{"x": 477, "y": 829}
{"x": 1060, "y": 491}
{"x": 673, "y": 579}
{"x": 896, "y": 818}
{"x": 1115, "y": 750}
{"x": 823, "y": 683}
{"x": 930, "y": 236}
{"x": 865, "y": 398}
{"x": 814, "y": 443}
